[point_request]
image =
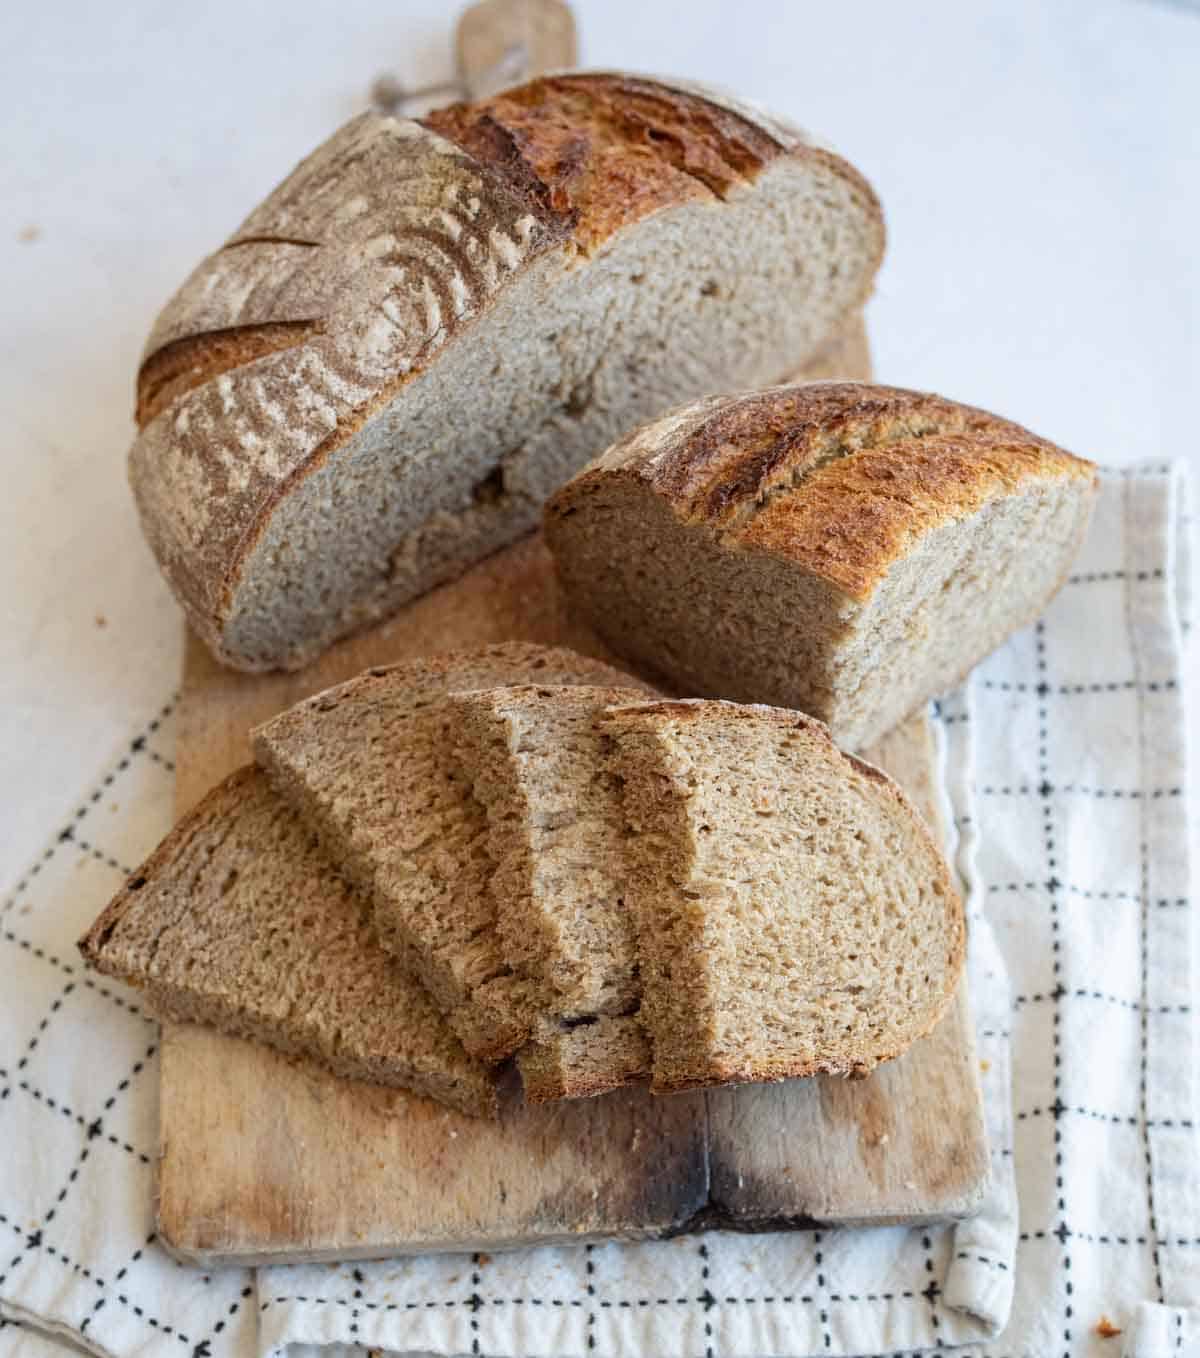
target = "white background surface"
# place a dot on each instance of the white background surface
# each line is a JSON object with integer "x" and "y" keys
{"x": 1037, "y": 164}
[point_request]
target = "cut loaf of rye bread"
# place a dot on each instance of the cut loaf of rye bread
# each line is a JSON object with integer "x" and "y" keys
{"x": 845, "y": 549}
{"x": 429, "y": 325}
{"x": 238, "y": 921}
{"x": 370, "y": 765}
{"x": 794, "y": 915}
{"x": 538, "y": 764}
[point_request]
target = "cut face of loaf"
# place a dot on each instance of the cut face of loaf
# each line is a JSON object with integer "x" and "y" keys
{"x": 794, "y": 915}
{"x": 845, "y": 549}
{"x": 556, "y": 838}
{"x": 239, "y": 922}
{"x": 430, "y": 325}
{"x": 370, "y": 764}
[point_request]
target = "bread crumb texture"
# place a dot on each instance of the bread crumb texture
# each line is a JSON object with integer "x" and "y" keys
{"x": 794, "y": 914}
{"x": 238, "y": 921}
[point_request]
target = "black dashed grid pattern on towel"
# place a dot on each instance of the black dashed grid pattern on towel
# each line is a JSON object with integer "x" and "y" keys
{"x": 78, "y": 1096}
{"x": 1065, "y": 778}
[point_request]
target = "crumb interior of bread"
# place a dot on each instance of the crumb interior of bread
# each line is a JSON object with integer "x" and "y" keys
{"x": 791, "y": 921}
{"x": 556, "y": 828}
{"x": 586, "y": 1059}
{"x": 677, "y": 603}
{"x": 572, "y": 354}
{"x": 950, "y": 601}
{"x": 249, "y": 930}
{"x": 718, "y": 620}
{"x": 399, "y": 816}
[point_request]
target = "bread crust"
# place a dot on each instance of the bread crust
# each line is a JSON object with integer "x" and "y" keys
{"x": 382, "y": 248}
{"x": 839, "y": 477}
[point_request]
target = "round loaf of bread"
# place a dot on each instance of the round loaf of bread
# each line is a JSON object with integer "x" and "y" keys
{"x": 430, "y": 325}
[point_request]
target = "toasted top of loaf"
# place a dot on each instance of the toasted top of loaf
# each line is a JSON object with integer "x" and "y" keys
{"x": 238, "y": 920}
{"x": 598, "y": 151}
{"x": 839, "y": 476}
{"x": 379, "y": 251}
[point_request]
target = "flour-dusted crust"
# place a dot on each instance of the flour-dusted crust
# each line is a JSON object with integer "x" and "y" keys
{"x": 771, "y": 471}
{"x": 379, "y": 252}
{"x": 273, "y": 351}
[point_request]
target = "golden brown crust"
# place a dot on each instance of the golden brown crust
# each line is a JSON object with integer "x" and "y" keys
{"x": 599, "y": 152}
{"x": 859, "y": 514}
{"x": 839, "y": 477}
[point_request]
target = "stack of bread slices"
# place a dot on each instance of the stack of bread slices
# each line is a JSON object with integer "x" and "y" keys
{"x": 521, "y": 852}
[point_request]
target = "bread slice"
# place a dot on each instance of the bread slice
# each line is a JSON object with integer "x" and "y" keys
{"x": 370, "y": 765}
{"x": 430, "y": 325}
{"x": 852, "y": 550}
{"x": 582, "y": 1060}
{"x": 238, "y": 921}
{"x": 556, "y": 835}
{"x": 794, "y": 915}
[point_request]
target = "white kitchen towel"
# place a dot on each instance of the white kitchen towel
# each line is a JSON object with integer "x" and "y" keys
{"x": 1065, "y": 772}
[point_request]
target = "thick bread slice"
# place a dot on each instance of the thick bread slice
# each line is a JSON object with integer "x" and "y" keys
{"x": 369, "y": 764}
{"x": 238, "y": 921}
{"x": 794, "y": 915}
{"x": 556, "y": 835}
{"x": 586, "y": 1059}
{"x": 430, "y": 325}
{"x": 846, "y": 549}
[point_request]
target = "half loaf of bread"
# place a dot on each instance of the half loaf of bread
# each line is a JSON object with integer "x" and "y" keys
{"x": 238, "y": 921}
{"x": 841, "y": 548}
{"x": 429, "y": 325}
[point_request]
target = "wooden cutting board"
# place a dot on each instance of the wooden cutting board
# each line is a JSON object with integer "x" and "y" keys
{"x": 269, "y": 1159}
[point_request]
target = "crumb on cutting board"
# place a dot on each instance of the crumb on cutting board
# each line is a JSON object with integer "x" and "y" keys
{"x": 28, "y": 234}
